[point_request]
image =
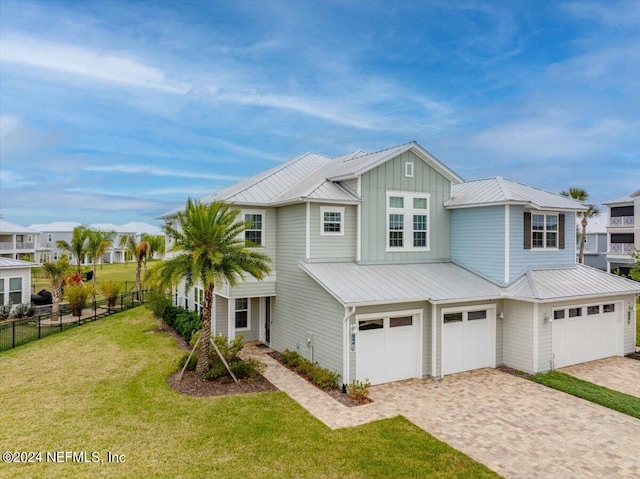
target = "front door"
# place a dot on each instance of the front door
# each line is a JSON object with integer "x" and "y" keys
{"x": 267, "y": 320}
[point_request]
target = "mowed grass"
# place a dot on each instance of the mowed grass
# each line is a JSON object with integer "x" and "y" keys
{"x": 102, "y": 387}
{"x": 624, "y": 403}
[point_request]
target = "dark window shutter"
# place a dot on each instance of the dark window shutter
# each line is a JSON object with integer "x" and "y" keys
{"x": 527, "y": 230}
{"x": 561, "y": 231}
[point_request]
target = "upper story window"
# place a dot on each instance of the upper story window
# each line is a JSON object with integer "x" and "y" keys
{"x": 30, "y": 238}
{"x": 332, "y": 221}
{"x": 408, "y": 169}
{"x": 544, "y": 231}
{"x": 254, "y": 233}
{"x": 49, "y": 237}
{"x": 407, "y": 221}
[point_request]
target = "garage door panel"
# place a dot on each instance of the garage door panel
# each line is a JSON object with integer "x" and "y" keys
{"x": 467, "y": 342}
{"x": 371, "y": 356}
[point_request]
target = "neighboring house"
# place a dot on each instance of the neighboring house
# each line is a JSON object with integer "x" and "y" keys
{"x": 624, "y": 232}
{"x": 595, "y": 247}
{"x": 389, "y": 266}
{"x": 116, "y": 253}
{"x": 15, "y": 281}
{"x": 51, "y": 233}
{"x": 18, "y": 242}
{"x": 141, "y": 228}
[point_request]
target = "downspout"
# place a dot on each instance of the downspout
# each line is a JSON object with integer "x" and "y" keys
{"x": 348, "y": 313}
{"x": 434, "y": 308}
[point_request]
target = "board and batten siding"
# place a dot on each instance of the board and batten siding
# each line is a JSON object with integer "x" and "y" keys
{"x": 522, "y": 259}
{"x": 333, "y": 246}
{"x": 477, "y": 240}
{"x": 302, "y": 304}
{"x": 390, "y": 177}
{"x": 351, "y": 185}
{"x": 517, "y": 333}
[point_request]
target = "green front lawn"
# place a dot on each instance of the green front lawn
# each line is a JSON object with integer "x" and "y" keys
{"x": 616, "y": 400}
{"x": 102, "y": 387}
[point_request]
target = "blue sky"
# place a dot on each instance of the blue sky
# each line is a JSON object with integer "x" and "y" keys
{"x": 118, "y": 111}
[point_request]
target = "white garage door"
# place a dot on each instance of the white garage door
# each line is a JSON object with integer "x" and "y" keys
{"x": 586, "y": 333}
{"x": 468, "y": 340}
{"x": 388, "y": 348}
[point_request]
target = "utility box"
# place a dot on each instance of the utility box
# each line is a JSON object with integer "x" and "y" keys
{"x": 309, "y": 336}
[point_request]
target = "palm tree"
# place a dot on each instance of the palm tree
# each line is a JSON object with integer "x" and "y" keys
{"x": 582, "y": 195}
{"x": 77, "y": 246}
{"x": 155, "y": 242}
{"x": 98, "y": 242}
{"x": 209, "y": 252}
{"x": 140, "y": 251}
{"x": 56, "y": 273}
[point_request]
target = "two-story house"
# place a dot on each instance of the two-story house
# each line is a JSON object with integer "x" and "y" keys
{"x": 18, "y": 242}
{"x": 388, "y": 266}
{"x": 595, "y": 245}
{"x": 623, "y": 232}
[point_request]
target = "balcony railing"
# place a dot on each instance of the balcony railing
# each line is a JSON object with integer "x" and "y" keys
{"x": 8, "y": 245}
{"x": 621, "y": 221}
{"x": 622, "y": 248}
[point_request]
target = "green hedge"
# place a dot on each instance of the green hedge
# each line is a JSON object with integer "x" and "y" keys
{"x": 185, "y": 322}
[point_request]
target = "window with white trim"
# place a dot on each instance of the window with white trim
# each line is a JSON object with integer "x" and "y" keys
{"x": 254, "y": 233}
{"x": 408, "y": 169}
{"x": 407, "y": 221}
{"x": 544, "y": 231}
{"x": 15, "y": 290}
{"x": 1, "y": 291}
{"x": 331, "y": 221}
{"x": 242, "y": 314}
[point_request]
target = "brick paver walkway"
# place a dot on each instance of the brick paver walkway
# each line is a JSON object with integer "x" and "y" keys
{"x": 517, "y": 428}
{"x": 620, "y": 374}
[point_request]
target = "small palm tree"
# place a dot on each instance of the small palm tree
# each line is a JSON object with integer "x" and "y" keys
{"x": 155, "y": 242}
{"x": 582, "y": 195}
{"x": 77, "y": 246}
{"x": 98, "y": 242}
{"x": 209, "y": 252}
{"x": 56, "y": 272}
{"x": 140, "y": 251}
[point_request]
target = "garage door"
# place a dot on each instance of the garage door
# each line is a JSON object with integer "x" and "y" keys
{"x": 586, "y": 333}
{"x": 468, "y": 340}
{"x": 388, "y": 348}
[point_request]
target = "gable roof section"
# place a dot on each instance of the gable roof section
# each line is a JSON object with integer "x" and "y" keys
{"x": 7, "y": 263}
{"x": 569, "y": 283}
{"x": 56, "y": 227}
{"x": 500, "y": 191}
{"x": 9, "y": 227}
{"x": 624, "y": 199}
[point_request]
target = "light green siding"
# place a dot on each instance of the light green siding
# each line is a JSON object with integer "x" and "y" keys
{"x": 350, "y": 185}
{"x": 330, "y": 246}
{"x": 252, "y": 287}
{"x": 390, "y": 177}
{"x": 302, "y": 305}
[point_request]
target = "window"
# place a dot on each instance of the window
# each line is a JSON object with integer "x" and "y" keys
{"x": 49, "y": 237}
{"x": 332, "y": 221}
{"x": 1, "y": 291}
{"x": 242, "y": 313}
{"x": 408, "y": 169}
{"x": 591, "y": 310}
{"x": 544, "y": 231}
{"x": 15, "y": 290}
{"x": 453, "y": 317}
{"x": 407, "y": 221}
{"x": 30, "y": 238}
{"x": 253, "y": 234}
{"x": 55, "y": 256}
{"x": 369, "y": 324}
{"x": 575, "y": 312}
{"x": 558, "y": 314}
{"x": 608, "y": 308}
{"x": 471, "y": 315}
{"x": 402, "y": 321}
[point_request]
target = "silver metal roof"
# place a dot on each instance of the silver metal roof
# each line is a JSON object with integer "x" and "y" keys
{"x": 565, "y": 283}
{"x": 496, "y": 191}
{"x": 353, "y": 284}
{"x": 15, "y": 263}
{"x": 624, "y": 199}
{"x": 9, "y": 227}
{"x": 56, "y": 227}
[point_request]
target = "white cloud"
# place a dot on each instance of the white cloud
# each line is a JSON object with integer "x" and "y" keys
{"x": 616, "y": 14}
{"x": 11, "y": 179}
{"x": 9, "y": 124}
{"x": 159, "y": 171}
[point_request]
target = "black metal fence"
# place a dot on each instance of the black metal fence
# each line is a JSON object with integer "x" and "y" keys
{"x": 16, "y": 332}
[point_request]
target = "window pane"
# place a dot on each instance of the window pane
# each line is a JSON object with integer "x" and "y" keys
{"x": 552, "y": 223}
{"x": 420, "y": 203}
{"x": 608, "y": 308}
{"x": 15, "y": 297}
{"x": 332, "y": 227}
{"x": 254, "y": 220}
{"x": 241, "y": 303}
{"x": 242, "y": 319}
{"x": 396, "y": 202}
{"x": 471, "y": 315}
{"x": 395, "y": 239}
{"x": 537, "y": 239}
{"x": 15, "y": 284}
{"x": 591, "y": 310}
{"x": 575, "y": 312}
{"x": 370, "y": 324}
{"x": 453, "y": 317}
{"x": 420, "y": 239}
{"x": 558, "y": 314}
{"x": 537, "y": 222}
{"x": 403, "y": 321}
{"x": 332, "y": 216}
{"x": 253, "y": 238}
{"x": 420, "y": 222}
{"x": 396, "y": 222}
{"x": 552, "y": 240}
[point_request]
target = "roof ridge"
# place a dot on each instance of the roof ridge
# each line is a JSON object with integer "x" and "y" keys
{"x": 503, "y": 187}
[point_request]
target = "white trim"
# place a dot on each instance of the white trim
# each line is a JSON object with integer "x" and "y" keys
{"x": 262, "y": 305}
{"x": 359, "y": 220}
{"x": 214, "y": 317}
{"x": 308, "y": 232}
{"x": 536, "y": 338}
{"x": 408, "y": 169}
{"x": 263, "y": 240}
{"x": 231, "y": 320}
{"x": 331, "y": 209}
{"x": 348, "y": 313}
{"x": 544, "y": 246}
{"x": 408, "y": 212}
{"x": 507, "y": 246}
{"x": 434, "y": 319}
{"x": 248, "y": 310}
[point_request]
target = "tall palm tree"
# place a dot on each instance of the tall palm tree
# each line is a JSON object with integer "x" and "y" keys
{"x": 209, "y": 252}
{"x": 582, "y": 195}
{"x": 77, "y": 247}
{"x": 156, "y": 242}
{"x": 98, "y": 242}
{"x": 56, "y": 272}
{"x": 140, "y": 251}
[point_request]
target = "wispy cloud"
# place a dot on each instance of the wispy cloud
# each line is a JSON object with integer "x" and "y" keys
{"x": 159, "y": 171}
{"x": 613, "y": 13}
{"x": 11, "y": 179}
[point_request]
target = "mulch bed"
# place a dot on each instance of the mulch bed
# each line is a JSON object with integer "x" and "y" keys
{"x": 514, "y": 372}
{"x": 635, "y": 356}
{"x": 336, "y": 394}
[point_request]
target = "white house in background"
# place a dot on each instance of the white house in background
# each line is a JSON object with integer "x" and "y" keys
{"x": 388, "y": 266}
{"x": 116, "y": 253}
{"x": 51, "y": 233}
{"x": 15, "y": 281}
{"x": 18, "y": 242}
{"x": 595, "y": 247}
{"x": 623, "y": 232}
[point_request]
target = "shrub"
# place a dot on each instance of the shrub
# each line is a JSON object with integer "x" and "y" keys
{"x": 229, "y": 350}
{"x": 110, "y": 290}
{"x": 217, "y": 371}
{"x": 192, "y": 362}
{"x": 157, "y": 302}
{"x": 5, "y": 311}
{"x": 290, "y": 358}
{"x": 77, "y": 295}
{"x": 359, "y": 390}
{"x": 24, "y": 310}
{"x": 187, "y": 323}
{"x": 247, "y": 369}
{"x": 321, "y": 377}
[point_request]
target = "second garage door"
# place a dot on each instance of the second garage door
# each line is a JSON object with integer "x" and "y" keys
{"x": 468, "y": 339}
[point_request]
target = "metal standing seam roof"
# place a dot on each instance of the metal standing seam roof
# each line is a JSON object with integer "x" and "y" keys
{"x": 56, "y": 227}
{"x": 9, "y": 227}
{"x": 353, "y": 284}
{"x": 15, "y": 263}
{"x": 495, "y": 191}
{"x": 624, "y": 199}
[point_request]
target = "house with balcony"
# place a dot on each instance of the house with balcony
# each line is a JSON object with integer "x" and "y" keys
{"x": 623, "y": 232}
{"x": 388, "y": 266}
{"x": 51, "y": 233}
{"x": 18, "y": 242}
{"x": 595, "y": 246}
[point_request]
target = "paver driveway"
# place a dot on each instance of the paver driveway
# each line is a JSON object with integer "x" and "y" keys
{"x": 620, "y": 374}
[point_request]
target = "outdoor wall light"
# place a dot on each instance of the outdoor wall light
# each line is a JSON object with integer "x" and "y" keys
{"x": 501, "y": 314}
{"x": 547, "y": 317}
